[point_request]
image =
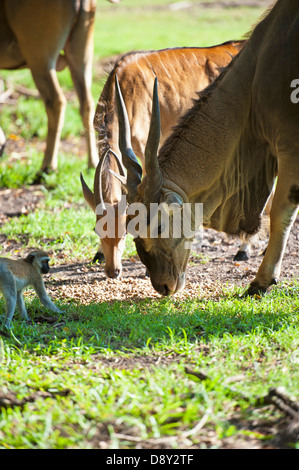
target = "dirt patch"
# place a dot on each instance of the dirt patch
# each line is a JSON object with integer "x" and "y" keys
{"x": 87, "y": 283}
{"x": 211, "y": 267}
{"x": 210, "y": 271}
{"x": 18, "y": 202}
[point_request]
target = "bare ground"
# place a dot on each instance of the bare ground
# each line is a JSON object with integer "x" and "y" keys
{"x": 211, "y": 267}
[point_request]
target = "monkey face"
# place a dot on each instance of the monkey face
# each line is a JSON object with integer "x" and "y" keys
{"x": 40, "y": 260}
{"x": 45, "y": 268}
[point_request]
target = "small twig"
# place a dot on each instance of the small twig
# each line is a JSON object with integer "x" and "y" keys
{"x": 199, "y": 375}
{"x": 202, "y": 376}
{"x": 127, "y": 437}
{"x": 9, "y": 400}
{"x": 15, "y": 87}
{"x": 275, "y": 397}
{"x": 199, "y": 425}
{"x": 5, "y": 95}
{"x": 26, "y": 91}
{"x": 166, "y": 440}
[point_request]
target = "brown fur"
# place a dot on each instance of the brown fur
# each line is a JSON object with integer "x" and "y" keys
{"x": 32, "y": 34}
{"x": 294, "y": 194}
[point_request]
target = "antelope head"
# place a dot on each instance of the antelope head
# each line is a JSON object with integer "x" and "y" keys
{"x": 111, "y": 211}
{"x": 165, "y": 257}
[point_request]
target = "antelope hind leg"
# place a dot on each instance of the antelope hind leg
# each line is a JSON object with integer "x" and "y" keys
{"x": 283, "y": 213}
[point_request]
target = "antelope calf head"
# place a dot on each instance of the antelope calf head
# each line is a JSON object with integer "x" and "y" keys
{"x": 110, "y": 215}
{"x": 112, "y": 245}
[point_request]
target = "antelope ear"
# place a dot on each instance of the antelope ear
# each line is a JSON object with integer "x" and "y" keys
{"x": 173, "y": 199}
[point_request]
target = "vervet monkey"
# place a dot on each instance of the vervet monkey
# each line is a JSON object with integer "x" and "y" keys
{"x": 16, "y": 275}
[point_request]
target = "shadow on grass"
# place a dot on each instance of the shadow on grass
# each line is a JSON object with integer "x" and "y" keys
{"x": 150, "y": 323}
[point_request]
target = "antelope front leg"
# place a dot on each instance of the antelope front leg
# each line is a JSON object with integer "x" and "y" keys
{"x": 2, "y": 141}
{"x": 55, "y": 102}
{"x": 79, "y": 56}
{"x": 283, "y": 213}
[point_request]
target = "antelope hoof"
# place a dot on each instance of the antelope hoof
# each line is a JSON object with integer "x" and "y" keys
{"x": 99, "y": 257}
{"x": 40, "y": 176}
{"x": 241, "y": 256}
{"x": 256, "y": 289}
{"x": 113, "y": 273}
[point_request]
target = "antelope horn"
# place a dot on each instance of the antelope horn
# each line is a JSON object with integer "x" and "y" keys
{"x": 101, "y": 207}
{"x": 154, "y": 177}
{"x": 134, "y": 170}
{"x": 122, "y": 178}
{"x": 120, "y": 167}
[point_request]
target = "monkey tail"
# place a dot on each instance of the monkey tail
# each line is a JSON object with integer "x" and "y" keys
{"x": 2, "y": 270}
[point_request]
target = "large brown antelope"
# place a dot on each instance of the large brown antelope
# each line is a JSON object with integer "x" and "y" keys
{"x": 182, "y": 72}
{"x": 32, "y": 34}
{"x": 226, "y": 152}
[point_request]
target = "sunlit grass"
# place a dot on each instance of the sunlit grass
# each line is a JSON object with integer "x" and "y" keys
{"x": 225, "y": 339}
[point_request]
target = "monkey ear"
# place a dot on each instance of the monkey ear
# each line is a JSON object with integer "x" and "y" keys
{"x": 30, "y": 258}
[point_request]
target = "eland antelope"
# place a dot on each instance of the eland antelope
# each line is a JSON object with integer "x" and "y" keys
{"x": 226, "y": 152}
{"x": 182, "y": 73}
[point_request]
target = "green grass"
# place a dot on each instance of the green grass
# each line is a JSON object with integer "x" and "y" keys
{"x": 158, "y": 28}
{"x": 77, "y": 383}
{"x": 85, "y": 394}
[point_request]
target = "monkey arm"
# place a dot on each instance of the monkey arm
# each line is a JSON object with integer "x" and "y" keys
{"x": 43, "y": 296}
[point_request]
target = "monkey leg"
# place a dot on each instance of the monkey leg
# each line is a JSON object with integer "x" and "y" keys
{"x": 21, "y": 306}
{"x": 8, "y": 288}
